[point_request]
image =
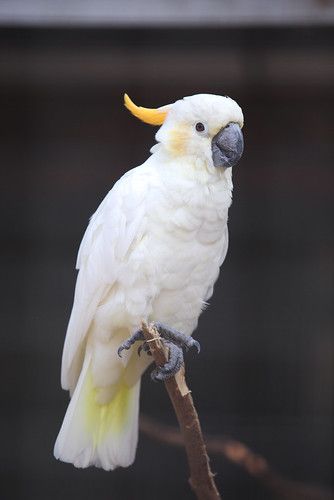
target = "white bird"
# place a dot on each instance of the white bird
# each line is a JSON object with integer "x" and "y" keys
{"x": 152, "y": 252}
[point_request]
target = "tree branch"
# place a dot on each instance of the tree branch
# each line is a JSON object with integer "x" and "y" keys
{"x": 201, "y": 478}
{"x": 238, "y": 453}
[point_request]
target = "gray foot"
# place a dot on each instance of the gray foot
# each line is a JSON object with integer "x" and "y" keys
{"x": 173, "y": 339}
{"x": 176, "y": 337}
{"x": 138, "y": 335}
{"x": 174, "y": 363}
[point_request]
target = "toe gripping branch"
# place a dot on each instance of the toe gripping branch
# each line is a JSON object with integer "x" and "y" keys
{"x": 174, "y": 340}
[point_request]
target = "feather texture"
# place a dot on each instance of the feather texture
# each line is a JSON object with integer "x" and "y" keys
{"x": 152, "y": 251}
{"x": 112, "y": 230}
{"x": 104, "y": 435}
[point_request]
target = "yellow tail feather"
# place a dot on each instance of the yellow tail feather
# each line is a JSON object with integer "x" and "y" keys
{"x": 104, "y": 435}
{"x": 101, "y": 418}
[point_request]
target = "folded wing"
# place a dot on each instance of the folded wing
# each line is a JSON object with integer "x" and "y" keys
{"x": 118, "y": 222}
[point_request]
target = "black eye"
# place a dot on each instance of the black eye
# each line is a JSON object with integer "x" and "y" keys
{"x": 200, "y": 127}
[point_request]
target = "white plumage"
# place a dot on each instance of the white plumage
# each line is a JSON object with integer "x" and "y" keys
{"x": 152, "y": 252}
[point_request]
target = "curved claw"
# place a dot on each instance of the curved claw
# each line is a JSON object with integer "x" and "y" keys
{"x": 138, "y": 335}
{"x": 144, "y": 347}
{"x": 155, "y": 375}
{"x": 178, "y": 338}
{"x": 125, "y": 346}
{"x": 196, "y": 344}
{"x": 119, "y": 350}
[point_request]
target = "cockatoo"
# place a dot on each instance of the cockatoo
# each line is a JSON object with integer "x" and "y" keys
{"x": 152, "y": 251}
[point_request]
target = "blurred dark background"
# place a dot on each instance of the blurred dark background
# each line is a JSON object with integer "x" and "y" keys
{"x": 265, "y": 372}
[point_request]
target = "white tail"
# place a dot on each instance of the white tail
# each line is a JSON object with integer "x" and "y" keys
{"x": 104, "y": 435}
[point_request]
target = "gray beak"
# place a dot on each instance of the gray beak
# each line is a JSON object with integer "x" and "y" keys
{"x": 227, "y": 146}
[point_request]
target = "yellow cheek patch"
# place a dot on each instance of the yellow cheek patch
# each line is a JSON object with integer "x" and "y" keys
{"x": 215, "y": 130}
{"x": 147, "y": 115}
{"x": 178, "y": 140}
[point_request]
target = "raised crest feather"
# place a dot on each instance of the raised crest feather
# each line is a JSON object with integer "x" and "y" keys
{"x": 147, "y": 115}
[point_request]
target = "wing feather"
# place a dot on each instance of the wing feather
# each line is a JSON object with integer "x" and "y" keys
{"x": 118, "y": 221}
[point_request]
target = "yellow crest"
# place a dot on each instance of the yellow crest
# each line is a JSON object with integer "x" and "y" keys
{"x": 147, "y": 115}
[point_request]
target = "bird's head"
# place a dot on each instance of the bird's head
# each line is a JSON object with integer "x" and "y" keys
{"x": 205, "y": 128}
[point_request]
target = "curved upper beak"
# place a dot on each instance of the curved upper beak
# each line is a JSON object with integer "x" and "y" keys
{"x": 227, "y": 146}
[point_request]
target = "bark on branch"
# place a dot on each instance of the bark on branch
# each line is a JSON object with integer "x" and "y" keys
{"x": 201, "y": 477}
